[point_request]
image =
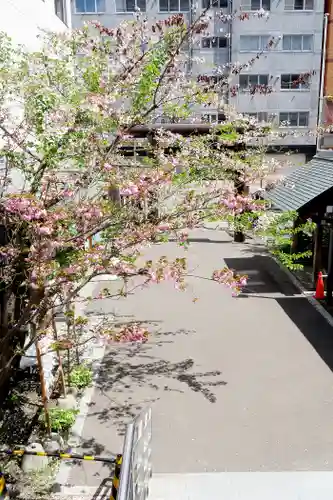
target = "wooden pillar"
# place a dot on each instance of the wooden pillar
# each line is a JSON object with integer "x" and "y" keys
{"x": 114, "y": 194}
{"x": 295, "y": 238}
{"x": 317, "y": 251}
{"x": 329, "y": 279}
{"x": 242, "y": 189}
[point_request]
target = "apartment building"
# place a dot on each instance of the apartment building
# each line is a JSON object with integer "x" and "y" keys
{"x": 290, "y": 69}
{"x": 282, "y": 84}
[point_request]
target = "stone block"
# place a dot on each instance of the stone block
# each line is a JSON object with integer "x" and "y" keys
{"x": 67, "y": 403}
{"x": 32, "y": 463}
{"x": 54, "y": 443}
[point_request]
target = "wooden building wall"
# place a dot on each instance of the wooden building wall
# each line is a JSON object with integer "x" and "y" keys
{"x": 328, "y": 82}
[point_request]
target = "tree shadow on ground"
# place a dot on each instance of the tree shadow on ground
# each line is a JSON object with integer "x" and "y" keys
{"x": 312, "y": 325}
{"x": 252, "y": 248}
{"x": 126, "y": 371}
{"x": 140, "y": 366}
{"x": 155, "y": 375}
{"x": 201, "y": 240}
{"x": 264, "y": 275}
{"x": 19, "y": 412}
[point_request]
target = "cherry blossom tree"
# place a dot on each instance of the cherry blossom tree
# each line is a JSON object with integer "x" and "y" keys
{"x": 74, "y": 204}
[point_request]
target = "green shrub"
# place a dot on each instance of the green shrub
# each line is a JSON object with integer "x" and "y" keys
{"x": 61, "y": 420}
{"x": 81, "y": 376}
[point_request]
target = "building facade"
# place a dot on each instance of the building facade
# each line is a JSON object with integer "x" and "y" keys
{"x": 283, "y": 83}
{"x": 23, "y": 20}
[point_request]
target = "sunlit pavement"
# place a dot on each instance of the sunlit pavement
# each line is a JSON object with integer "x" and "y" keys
{"x": 236, "y": 384}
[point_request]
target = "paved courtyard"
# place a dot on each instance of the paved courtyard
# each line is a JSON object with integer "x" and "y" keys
{"x": 236, "y": 384}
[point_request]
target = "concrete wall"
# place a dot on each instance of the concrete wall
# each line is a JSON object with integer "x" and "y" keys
{"x": 22, "y": 20}
{"x": 277, "y": 62}
{"x": 111, "y": 18}
{"x": 328, "y": 89}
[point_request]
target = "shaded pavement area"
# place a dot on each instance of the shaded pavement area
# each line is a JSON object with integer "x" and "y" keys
{"x": 236, "y": 384}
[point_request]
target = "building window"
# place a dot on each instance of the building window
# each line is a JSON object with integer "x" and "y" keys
{"x": 261, "y": 116}
{"x": 213, "y": 117}
{"x": 256, "y": 4}
{"x": 295, "y": 82}
{"x": 212, "y": 79}
{"x": 302, "y": 43}
{"x": 169, "y": 119}
{"x": 3, "y": 164}
{"x": 298, "y": 4}
{"x": 60, "y": 10}
{"x": 89, "y": 6}
{"x": 218, "y": 4}
{"x": 214, "y": 42}
{"x": 253, "y": 43}
{"x": 246, "y": 82}
{"x": 174, "y": 5}
{"x": 294, "y": 119}
{"x": 130, "y": 5}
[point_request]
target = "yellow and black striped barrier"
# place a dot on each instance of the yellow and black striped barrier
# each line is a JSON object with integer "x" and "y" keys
{"x": 115, "y": 459}
{"x": 116, "y": 478}
{"x": 63, "y": 456}
{"x": 3, "y": 487}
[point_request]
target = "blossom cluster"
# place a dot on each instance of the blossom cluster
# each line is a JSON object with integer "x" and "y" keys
{"x": 101, "y": 182}
{"x": 231, "y": 279}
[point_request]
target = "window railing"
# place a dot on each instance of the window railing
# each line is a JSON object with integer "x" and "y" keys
{"x": 174, "y": 5}
{"x": 254, "y": 43}
{"x": 123, "y": 6}
{"x": 214, "y": 4}
{"x": 248, "y": 82}
{"x": 299, "y": 5}
{"x": 295, "y": 81}
{"x": 297, "y": 43}
{"x": 213, "y": 117}
{"x": 294, "y": 119}
{"x": 214, "y": 42}
{"x": 90, "y": 6}
{"x": 249, "y": 5}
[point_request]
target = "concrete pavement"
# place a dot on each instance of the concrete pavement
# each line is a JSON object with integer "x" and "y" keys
{"x": 236, "y": 384}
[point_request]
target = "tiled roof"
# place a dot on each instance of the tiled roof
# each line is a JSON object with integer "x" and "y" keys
{"x": 303, "y": 185}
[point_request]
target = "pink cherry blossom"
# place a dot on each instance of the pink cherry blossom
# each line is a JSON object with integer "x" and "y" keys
{"x": 80, "y": 138}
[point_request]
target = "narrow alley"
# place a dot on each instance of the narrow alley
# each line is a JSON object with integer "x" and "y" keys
{"x": 235, "y": 384}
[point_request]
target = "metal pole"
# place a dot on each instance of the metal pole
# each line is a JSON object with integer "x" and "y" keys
{"x": 116, "y": 479}
{"x": 62, "y": 456}
{"x": 322, "y": 79}
{"x": 124, "y": 484}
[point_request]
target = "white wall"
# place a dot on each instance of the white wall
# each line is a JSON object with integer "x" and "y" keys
{"x": 22, "y": 20}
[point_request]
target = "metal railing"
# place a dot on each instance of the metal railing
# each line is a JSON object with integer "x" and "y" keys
{"x": 133, "y": 468}
{"x": 136, "y": 467}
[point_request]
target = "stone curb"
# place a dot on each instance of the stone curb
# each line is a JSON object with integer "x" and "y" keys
{"x": 63, "y": 474}
{"x": 307, "y": 294}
